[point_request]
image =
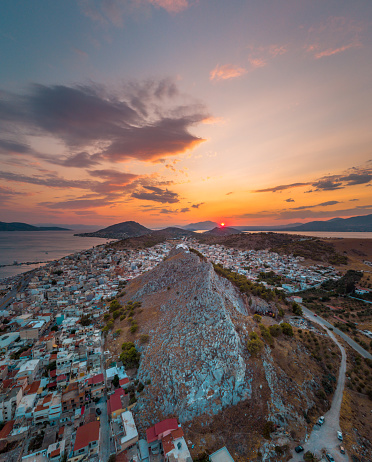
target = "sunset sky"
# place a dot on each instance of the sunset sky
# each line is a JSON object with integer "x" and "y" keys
{"x": 177, "y": 111}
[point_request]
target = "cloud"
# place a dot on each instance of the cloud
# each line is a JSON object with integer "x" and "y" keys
{"x": 353, "y": 200}
{"x": 113, "y": 175}
{"x": 289, "y": 200}
{"x": 7, "y": 194}
{"x": 172, "y": 6}
{"x": 157, "y": 195}
{"x": 282, "y": 187}
{"x": 53, "y": 181}
{"x": 77, "y": 204}
{"x": 353, "y": 176}
{"x": 226, "y": 72}
{"x": 142, "y": 122}
{"x": 228, "y": 194}
{"x": 185, "y": 209}
{"x": 322, "y": 204}
{"x": 334, "y": 36}
{"x": 196, "y": 206}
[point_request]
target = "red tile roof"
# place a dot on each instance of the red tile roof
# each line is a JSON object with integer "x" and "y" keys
{"x": 55, "y": 453}
{"x": 96, "y": 379}
{"x": 123, "y": 381}
{"x": 32, "y": 388}
{"x": 152, "y": 433}
{"x": 86, "y": 434}
{"x": 177, "y": 433}
{"x": 167, "y": 443}
{"x": 6, "y": 430}
{"x": 114, "y": 403}
{"x": 61, "y": 431}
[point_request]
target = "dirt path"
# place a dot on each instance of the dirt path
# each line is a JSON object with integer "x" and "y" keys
{"x": 325, "y": 437}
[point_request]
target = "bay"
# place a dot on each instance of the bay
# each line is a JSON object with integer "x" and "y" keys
{"x": 39, "y": 246}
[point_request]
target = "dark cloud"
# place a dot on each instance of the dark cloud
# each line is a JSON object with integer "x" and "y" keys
{"x": 327, "y": 185}
{"x": 322, "y": 204}
{"x": 6, "y": 194}
{"x": 186, "y": 209}
{"x": 357, "y": 178}
{"x": 157, "y": 195}
{"x": 282, "y": 187}
{"x": 142, "y": 122}
{"x": 228, "y": 194}
{"x": 353, "y": 200}
{"x": 50, "y": 180}
{"x": 196, "y": 206}
{"x": 289, "y": 200}
{"x": 14, "y": 147}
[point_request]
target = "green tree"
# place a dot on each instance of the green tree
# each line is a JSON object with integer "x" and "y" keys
{"x": 257, "y": 318}
{"x": 275, "y": 330}
{"x": 296, "y": 309}
{"x": 286, "y": 329}
{"x": 115, "y": 381}
{"x": 85, "y": 320}
{"x": 130, "y": 357}
{"x": 255, "y": 346}
{"x": 114, "y": 305}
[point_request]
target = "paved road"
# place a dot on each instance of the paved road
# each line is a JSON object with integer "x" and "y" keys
{"x": 310, "y": 315}
{"x": 325, "y": 437}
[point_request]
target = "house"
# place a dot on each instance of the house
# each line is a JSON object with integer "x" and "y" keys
{"x": 86, "y": 441}
{"x": 129, "y": 435}
{"x": 96, "y": 385}
{"x": 7, "y": 340}
{"x": 9, "y": 402}
{"x": 117, "y": 403}
{"x": 155, "y": 434}
{"x": 175, "y": 447}
{"x": 222, "y": 455}
{"x": 72, "y": 397}
{"x": 29, "y": 369}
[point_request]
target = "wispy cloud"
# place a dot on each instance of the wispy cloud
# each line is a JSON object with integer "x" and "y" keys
{"x": 172, "y": 6}
{"x": 322, "y": 204}
{"x": 226, "y": 72}
{"x": 196, "y": 206}
{"x": 334, "y": 36}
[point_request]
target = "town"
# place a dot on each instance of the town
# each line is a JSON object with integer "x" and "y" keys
{"x": 63, "y": 397}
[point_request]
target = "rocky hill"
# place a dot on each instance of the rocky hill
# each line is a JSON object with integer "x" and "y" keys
{"x": 195, "y": 364}
{"x": 153, "y": 238}
{"x": 222, "y": 231}
{"x": 15, "y": 226}
{"x": 119, "y": 231}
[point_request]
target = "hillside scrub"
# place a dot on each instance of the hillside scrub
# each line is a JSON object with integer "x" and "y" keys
{"x": 287, "y": 329}
{"x": 247, "y": 287}
{"x": 255, "y": 346}
{"x": 130, "y": 357}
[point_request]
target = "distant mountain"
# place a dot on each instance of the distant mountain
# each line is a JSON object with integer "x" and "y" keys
{"x": 15, "y": 226}
{"x": 119, "y": 231}
{"x": 354, "y": 224}
{"x": 268, "y": 228}
{"x": 74, "y": 226}
{"x": 208, "y": 225}
{"x": 219, "y": 231}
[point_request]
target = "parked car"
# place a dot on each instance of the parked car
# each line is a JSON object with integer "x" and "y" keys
{"x": 330, "y": 458}
{"x": 342, "y": 450}
{"x": 98, "y": 411}
{"x": 321, "y": 420}
{"x": 339, "y": 436}
{"x": 299, "y": 448}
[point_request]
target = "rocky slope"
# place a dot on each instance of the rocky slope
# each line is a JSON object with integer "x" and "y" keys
{"x": 199, "y": 366}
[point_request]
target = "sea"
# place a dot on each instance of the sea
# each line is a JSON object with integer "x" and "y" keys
{"x": 32, "y": 249}
{"x": 26, "y": 250}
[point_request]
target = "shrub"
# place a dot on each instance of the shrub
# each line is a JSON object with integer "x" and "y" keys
{"x": 297, "y": 310}
{"x": 255, "y": 346}
{"x": 257, "y": 317}
{"x": 114, "y": 305}
{"x": 122, "y": 317}
{"x": 265, "y": 333}
{"x": 286, "y": 329}
{"x": 144, "y": 338}
{"x": 253, "y": 336}
{"x": 268, "y": 428}
{"x": 130, "y": 357}
{"x": 106, "y": 316}
{"x": 133, "y": 328}
{"x": 275, "y": 330}
{"x": 116, "y": 314}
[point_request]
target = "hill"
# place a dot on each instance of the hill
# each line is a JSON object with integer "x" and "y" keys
{"x": 310, "y": 248}
{"x": 119, "y": 231}
{"x": 153, "y": 238}
{"x": 208, "y": 225}
{"x": 222, "y": 231}
{"x": 193, "y": 329}
{"x": 15, "y": 226}
{"x": 354, "y": 224}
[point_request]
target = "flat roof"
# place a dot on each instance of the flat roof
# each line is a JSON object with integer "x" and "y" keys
{"x": 129, "y": 426}
{"x": 222, "y": 455}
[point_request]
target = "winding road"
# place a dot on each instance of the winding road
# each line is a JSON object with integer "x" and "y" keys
{"x": 325, "y": 437}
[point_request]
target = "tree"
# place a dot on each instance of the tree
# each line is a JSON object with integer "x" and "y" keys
{"x": 54, "y": 328}
{"x": 114, "y": 305}
{"x": 257, "y": 318}
{"x": 130, "y": 357}
{"x": 297, "y": 310}
{"x": 255, "y": 346}
{"x": 115, "y": 381}
{"x": 286, "y": 329}
{"x": 85, "y": 320}
{"x": 275, "y": 330}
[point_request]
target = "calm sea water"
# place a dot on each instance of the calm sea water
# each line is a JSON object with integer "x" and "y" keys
{"x": 39, "y": 246}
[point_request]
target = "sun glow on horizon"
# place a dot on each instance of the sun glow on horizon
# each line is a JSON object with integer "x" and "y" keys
{"x": 222, "y": 224}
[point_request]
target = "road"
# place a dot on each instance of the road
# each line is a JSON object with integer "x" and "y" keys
{"x": 310, "y": 315}
{"x": 9, "y": 297}
{"x": 325, "y": 437}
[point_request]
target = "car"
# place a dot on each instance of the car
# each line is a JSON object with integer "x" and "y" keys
{"x": 342, "y": 450}
{"x": 316, "y": 315}
{"x": 330, "y": 458}
{"x": 299, "y": 448}
{"x": 321, "y": 420}
{"x": 339, "y": 436}
{"x": 98, "y": 411}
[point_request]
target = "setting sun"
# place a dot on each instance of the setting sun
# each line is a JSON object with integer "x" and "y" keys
{"x": 222, "y": 224}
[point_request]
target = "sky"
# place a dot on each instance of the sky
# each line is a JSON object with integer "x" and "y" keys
{"x": 171, "y": 112}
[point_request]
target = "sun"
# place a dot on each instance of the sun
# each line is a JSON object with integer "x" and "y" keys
{"x": 222, "y": 224}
